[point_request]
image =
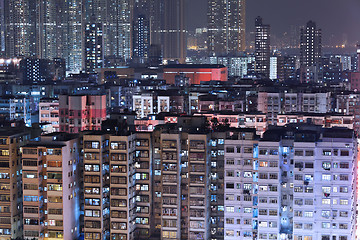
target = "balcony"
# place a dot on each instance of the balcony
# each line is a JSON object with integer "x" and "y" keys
{"x": 197, "y": 179}
{"x": 197, "y": 213}
{"x": 167, "y": 156}
{"x": 199, "y": 202}
{"x": 197, "y": 168}
{"x": 169, "y": 145}
{"x": 169, "y": 179}
{"x": 197, "y": 145}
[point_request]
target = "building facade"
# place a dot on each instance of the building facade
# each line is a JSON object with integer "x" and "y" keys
{"x": 262, "y": 48}
{"x": 81, "y": 112}
{"x": 93, "y": 49}
{"x": 226, "y": 27}
{"x": 294, "y": 184}
{"x": 11, "y": 190}
{"x": 49, "y": 115}
{"x": 51, "y": 188}
{"x": 310, "y": 45}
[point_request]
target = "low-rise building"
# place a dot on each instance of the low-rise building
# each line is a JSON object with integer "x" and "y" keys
{"x": 81, "y": 112}
{"x": 49, "y": 113}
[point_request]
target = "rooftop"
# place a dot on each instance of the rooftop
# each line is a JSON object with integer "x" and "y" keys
{"x": 194, "y": 66}
{"x": 305, "y": 133}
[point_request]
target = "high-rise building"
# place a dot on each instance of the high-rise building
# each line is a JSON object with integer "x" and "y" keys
{"x": 45, "y": 29}
{"x": 293, "y": 183}
{"x": 93, "y": 47}
{"x": 262, "y": 48}
{"x": 96, "y": 178}
{"x": 310, "y": 45}
{"x": 117, "y": 186}
{"x": 74, "y": 35}
{"x": 169, "y": 29}
{"x": 181, "y": 192}
{"x": 286, "y": 68}
{"x": 115, "y": 18}
{"x": 51, "y": 25}
{"x": 51, "y": 187}
{"x": 226, "y": 27}
{"x": 21, "y": 28}
{"x": 141, "y": 39}
{"x": 141, "y": 30}
{"x": 10, "y": 187}
{"x": 311, "y": 54}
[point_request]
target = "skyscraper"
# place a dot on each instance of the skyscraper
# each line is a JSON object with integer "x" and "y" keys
{"x": 51, "y": 29}
{"x": 174, "y": 30}
{"x": 124, "y": 212}
{"x": 74, "y": 35}
{"x": 45, "y": 29}
{"x": 20, "y": 27}
{"x": 226, "y": 27}
{"x": 294, "y": 183}
{"x": 114, "y": 16}
{"x": 310, "y": 45}
{"x": 2, "y": 27}
{"x": 311, "y": 54}
{"x": 262, "y": 48}
{"x": 141, "y": 38}
{"x": 117, "y": 29}
{"x": 168, "y": 28}
{"x": 93, "y": 46}
{"x": 141, "y": 31}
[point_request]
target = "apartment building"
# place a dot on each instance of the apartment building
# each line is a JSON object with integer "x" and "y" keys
{"x": 182, "y": 180}
{"x": 297, "y": 182}
{"x": 81, "y": 112}
{"x": 96, "y": 184}
{"x": 130, "y": 192}
{"x": 16, "y": 108}
{"x": 282, "y": 102}
{"x": 49, "y": 113}
{"x": 10, "y": 182}
{"x": 117, "y": 186}
{"x": 348, "y": 103}
{"x": 51, "y": 189}
{"x": 147, "y": 104}
{"x": 217, "y": 152}
{"x": 181, "y": 183}
{"x": 143, "y": 105}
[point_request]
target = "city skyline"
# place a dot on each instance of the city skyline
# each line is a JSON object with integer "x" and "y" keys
{"x": 282, "y": 14}
{"x": 118, "y": 121}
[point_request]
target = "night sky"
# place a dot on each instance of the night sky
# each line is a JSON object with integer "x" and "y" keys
{"x": 335, "y": 17}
